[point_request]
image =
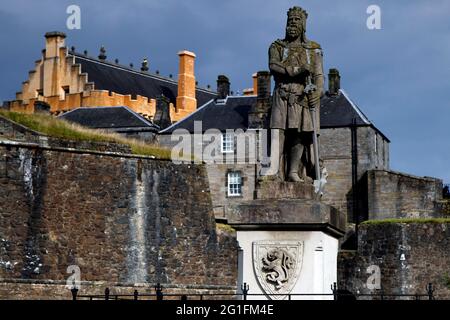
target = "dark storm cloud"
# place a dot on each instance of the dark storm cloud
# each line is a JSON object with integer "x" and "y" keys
{"x": 398, "y": 75}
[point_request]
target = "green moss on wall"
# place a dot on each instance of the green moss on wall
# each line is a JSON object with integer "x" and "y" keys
{"x": 407, "y": 220}
{"x": 225, "y": 227}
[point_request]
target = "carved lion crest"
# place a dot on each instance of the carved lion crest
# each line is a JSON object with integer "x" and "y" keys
{"x": 277, "y": 266}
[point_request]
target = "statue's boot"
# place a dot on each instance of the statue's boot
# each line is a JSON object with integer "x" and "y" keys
{"x": 276, "y": 142}
{"x": 294, "y": 162}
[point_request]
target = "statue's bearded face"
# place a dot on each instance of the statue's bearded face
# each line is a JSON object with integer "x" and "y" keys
{"x": 294, "y": 27}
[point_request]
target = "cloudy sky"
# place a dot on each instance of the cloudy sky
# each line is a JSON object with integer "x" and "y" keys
{"x": 399, "y": 75}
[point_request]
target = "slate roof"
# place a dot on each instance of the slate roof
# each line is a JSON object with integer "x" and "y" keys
{"x": 339, "y": 111}
{"x": 335, "y": 111}
{"x": 124, "y": 80}
{"x": 230, "y": 115}
{"x": 108, "y": 118}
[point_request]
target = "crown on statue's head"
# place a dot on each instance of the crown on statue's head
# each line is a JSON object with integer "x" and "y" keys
{"x": 298, "y": 12}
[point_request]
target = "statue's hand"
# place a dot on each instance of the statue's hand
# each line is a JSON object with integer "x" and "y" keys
{"x": 295, "y": 71}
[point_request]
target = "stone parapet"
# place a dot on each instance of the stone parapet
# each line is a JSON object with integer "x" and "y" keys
{"x": 406, "y": 257}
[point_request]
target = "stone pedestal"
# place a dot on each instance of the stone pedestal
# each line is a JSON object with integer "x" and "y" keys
{"x": 289, "y": 241}
{"x": 284, "y": 190}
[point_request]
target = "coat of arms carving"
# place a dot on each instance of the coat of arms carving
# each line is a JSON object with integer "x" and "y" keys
{"x": 277, "y": 266}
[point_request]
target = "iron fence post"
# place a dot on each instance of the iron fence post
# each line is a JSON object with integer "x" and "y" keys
{"x": 245, "y": 287}
{"x": 335, "y": 290}
{"x": 107, "y": 294}
{"x": 430, "y": 291}
{"x": 74, "y": 291}
{"x": 136, "y": 294}
{"x": 159, "y": 293}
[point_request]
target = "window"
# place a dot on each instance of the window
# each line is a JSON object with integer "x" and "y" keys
{"x": 227, "y": 143}
{"x": 234, "y": 184}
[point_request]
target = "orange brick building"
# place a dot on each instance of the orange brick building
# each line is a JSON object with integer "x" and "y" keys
{"x": 66, "y": 80}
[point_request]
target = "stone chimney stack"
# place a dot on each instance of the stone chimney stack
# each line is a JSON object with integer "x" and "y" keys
{"x": 258, "y": 115}
{"x": 54, "y": 42}
{"x": 186, "y": 100}
{"x": 334, "y": 82}
{"x": 263, "y": 85}
{"x": 223, "y": 87}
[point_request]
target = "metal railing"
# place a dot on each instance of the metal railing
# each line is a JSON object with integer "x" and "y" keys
{"x": 335, "y": 294}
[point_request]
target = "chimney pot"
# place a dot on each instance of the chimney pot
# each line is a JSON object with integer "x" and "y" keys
{"x": 223, "y": 86}
{"x": 255, "y": 83}
{"x": 54, "y": 34}
{"x": 334, "y": 82}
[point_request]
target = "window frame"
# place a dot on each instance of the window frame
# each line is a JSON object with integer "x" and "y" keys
{"x": 227, "y": 139}
{"x": 234, "y": 187}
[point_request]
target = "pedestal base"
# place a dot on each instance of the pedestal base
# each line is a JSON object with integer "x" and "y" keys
{"x": 289, "y": 245}
{"x": 308, "y": 261}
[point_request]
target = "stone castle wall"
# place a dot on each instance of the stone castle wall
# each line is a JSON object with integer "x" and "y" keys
{"x": 409, "y": 255}
{"x": 398, "y": 195}
{"x": 122, "y": 220}
{"x": 12, "y": 131}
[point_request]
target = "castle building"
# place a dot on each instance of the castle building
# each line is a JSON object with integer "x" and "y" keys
{"x": 66, "y": 80}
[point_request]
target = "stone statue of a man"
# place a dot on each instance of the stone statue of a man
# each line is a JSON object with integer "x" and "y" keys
{"x": 294, "y": 63}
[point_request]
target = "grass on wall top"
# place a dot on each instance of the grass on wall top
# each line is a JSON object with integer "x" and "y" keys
{"x": 407, "y": 220}
{"x": 59, "y": 128}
